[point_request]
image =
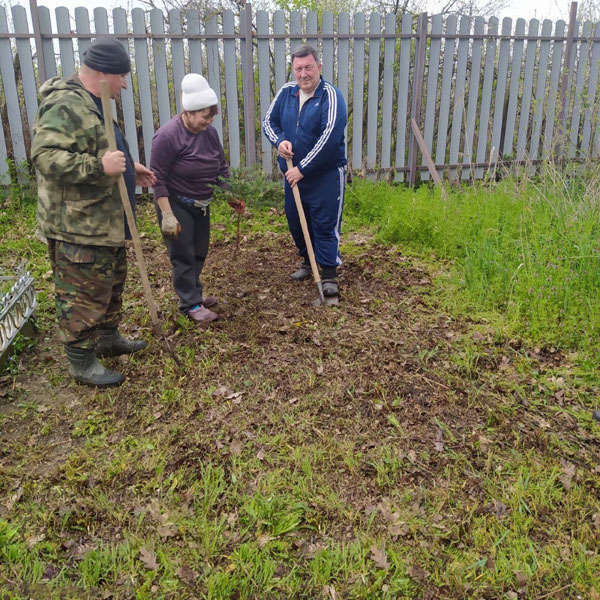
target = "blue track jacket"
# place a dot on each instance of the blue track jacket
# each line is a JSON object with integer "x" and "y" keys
{"x": 317, "y": 133}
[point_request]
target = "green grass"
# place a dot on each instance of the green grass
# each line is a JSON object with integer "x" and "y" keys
{"x": 529, "y": 250}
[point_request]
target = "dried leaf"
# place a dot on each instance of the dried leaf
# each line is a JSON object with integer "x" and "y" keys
{"x": 260, "y": 454}
{"x": 235, "y": 396}
{"x": 14, "y": 498}
{"x": 399, "y": 530}
{"x": 167, "y": 530}
{"x": 236, "y": 447}
{"x": 569, "y": 471}
{"x": 263, "y": 540}
{"x": 221, "y": 391}
{"x": 417, "y": 572}
{"x": 500, "y": 509}
{"x": 490, "y": 563}
{"x": 149, "y": 559}
{"x": 520, "y": 579}
{"x": 379, "y": 557}
{"x": 439, "y": 441}
{"x": 186, "y": 574}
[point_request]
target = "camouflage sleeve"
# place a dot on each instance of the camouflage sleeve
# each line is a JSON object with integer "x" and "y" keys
{"x": 56, "y": 149}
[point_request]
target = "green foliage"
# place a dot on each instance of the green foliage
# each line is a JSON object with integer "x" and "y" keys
{"x": 253, "y": 186}
{"x": 528, "y": 249}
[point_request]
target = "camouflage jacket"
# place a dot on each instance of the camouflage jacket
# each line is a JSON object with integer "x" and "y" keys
{"x": 77, "y": 202}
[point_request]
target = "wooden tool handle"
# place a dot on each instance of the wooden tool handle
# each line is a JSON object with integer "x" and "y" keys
{"x": 305, "y": 232}
{"x": 137, "y": 244}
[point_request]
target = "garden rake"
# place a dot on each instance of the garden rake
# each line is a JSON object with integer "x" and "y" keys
{"x": 137, "y": 244}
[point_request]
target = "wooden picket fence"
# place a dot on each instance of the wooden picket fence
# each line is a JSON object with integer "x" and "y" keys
{"x": 479, "y": 93}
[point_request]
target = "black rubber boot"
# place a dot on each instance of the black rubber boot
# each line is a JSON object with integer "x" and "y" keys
{"x": 330, "y": 288}
{"x": 84, "y": 368}
{"x": 112, "y": 343}
{"x": 303, "y": 272}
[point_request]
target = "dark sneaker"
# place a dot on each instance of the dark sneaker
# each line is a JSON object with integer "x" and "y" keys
{"x": 304, "y": 272}
{"x": 209, "y": 301}
{"x": 85, "y": 369}
{"x": 201, "y": 314}
{"x": 330, "y": 288}
{"x": 112, "y": 343}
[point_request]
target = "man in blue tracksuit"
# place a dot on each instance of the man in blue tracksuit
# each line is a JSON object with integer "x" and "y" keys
{"x": 306, "y": 122}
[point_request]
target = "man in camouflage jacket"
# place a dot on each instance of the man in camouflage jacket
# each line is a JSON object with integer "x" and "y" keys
{"x": 80, "y": 211}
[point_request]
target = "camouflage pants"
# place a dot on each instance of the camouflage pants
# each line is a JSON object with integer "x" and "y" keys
{"x": 89, "y": 284}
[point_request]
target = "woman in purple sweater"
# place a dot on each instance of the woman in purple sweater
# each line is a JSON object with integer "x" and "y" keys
{"x": 187, "y": 158}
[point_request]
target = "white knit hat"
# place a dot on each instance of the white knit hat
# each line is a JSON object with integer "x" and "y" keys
{"x": 196, "y": 94}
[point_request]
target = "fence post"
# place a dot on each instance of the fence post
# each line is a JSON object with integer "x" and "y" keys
{"x": 249, "y": 108}
{"x": 417, "y": 94}
{"x": 39, "y": 50}
{"x": 562, "y": 94}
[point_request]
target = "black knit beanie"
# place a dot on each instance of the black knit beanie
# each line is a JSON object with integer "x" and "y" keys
{"x": 107, "y": 55}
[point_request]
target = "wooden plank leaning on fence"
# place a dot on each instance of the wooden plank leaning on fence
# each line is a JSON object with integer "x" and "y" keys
{"x": 430, "y": 164}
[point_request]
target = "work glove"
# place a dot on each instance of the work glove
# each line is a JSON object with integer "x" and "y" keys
{"x": 170, "y": 225}
{"x": 238, "y": 205}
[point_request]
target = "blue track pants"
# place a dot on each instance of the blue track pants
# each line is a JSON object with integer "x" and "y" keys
{"x": 323, "y": 201}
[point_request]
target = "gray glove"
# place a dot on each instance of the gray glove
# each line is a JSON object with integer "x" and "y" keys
{"x": 170, "y": 225}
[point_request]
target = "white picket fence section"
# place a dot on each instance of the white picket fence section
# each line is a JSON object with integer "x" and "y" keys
{"x": 481, "y": 93}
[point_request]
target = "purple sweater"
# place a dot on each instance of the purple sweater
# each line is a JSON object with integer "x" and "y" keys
{"x": 185, "y": 163}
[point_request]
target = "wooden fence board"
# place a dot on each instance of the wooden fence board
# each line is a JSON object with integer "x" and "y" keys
{"x": 431, "y": 90}
{"x": 525, "y": 117}
{"x": 343, "y": 55}
{"x": 591, "y": 96}
{"x": 514, "y": 88}
{"x": 65, "y": 45}
{"x": 194, "y": 44}
{"x": 486, "y": 96}
{"x": 403, "y": 88}
{"x": 446, "y": 90}
{"x": 501, "y": 80}
{"x": 312, "y": 28}
{"x": 24, "y": 54}
{"x": 82, "y": 25}
{"x": 159, "y": 55}
{"x": 47, "y": 44}
{"x": 9, "y": 85}
{"x": 551, "y": 103}
{"x": 358, "y": 48}
{"x": 264, "y": 86}
{"x": 142, "y": 69}
{"x": 582, "y": 73}
{"x": 474, "y": 87}
{"x": 231, "y": 89}
{"x": 279, "y": 50}
{"x": 373, "y": 91}
{"x": 540, "y": 92}
{"x": 459, "y": 92}
{"x": 127, "y": 102}
{"x": 327, "y": 48}
{"x": 213, "y": 70}
{"x": 295, "y": 29}
{"x": 178, "y": 56}
{"x": 388, "y": 92}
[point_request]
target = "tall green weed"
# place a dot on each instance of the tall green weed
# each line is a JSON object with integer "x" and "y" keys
{"x": 528, "y": 248}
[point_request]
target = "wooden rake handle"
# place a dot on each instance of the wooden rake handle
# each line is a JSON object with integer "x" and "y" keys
{"x": 305, "y": 232}
{"x": 137, "y": 244}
